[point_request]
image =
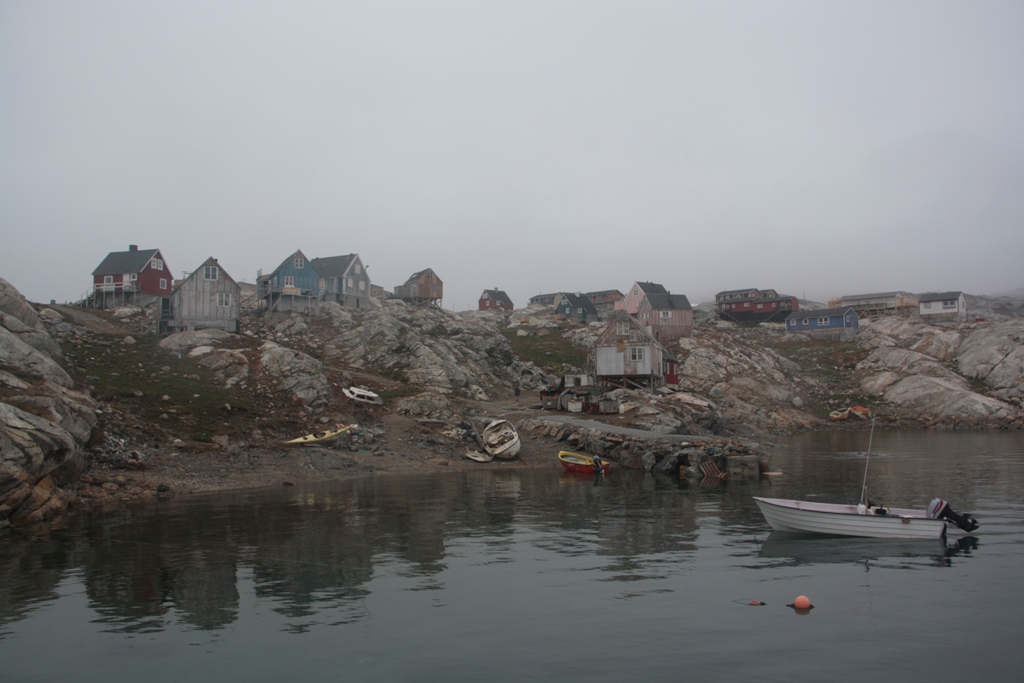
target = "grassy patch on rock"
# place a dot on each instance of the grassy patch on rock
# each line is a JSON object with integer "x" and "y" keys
{"x": 549, "y": 351}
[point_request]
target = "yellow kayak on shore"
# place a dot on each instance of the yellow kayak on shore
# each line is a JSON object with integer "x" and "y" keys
{"x": 319, "y": 436}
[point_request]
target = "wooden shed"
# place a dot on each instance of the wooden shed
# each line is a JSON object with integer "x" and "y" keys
{"x": 207, "y": 298}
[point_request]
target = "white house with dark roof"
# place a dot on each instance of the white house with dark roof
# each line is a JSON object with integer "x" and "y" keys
{"x": 942, "y": 306}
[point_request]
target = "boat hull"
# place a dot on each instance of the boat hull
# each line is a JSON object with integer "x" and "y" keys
{"x": 583, "y": 464}
{"x": 501, "y": 440}
{"x": 844, "y": 520}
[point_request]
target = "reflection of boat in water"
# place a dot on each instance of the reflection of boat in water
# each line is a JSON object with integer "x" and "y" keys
{"x": 501, "y": 440}
{"x": 582, "y": 464}
{"x": 867, "y": 521}
{"x": 816, "y": 549}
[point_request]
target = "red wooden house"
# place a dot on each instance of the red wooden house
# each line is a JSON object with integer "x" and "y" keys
{"x": 137, "y": 276}
{"x": 755, "y": 305}
{"x": 494, "y": 300}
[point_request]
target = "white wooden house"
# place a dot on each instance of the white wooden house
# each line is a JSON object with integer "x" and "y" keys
{"x": 943, "y": 306}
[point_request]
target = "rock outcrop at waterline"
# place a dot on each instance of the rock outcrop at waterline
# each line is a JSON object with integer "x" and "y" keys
{"x": 44, "y": 423}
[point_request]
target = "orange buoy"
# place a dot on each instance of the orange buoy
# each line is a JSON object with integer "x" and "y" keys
{"x": 802, "y": 602}
{"x": 757, "y": 603}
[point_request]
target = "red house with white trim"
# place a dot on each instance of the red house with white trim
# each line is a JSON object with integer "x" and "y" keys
{"x": 137, "y": 276}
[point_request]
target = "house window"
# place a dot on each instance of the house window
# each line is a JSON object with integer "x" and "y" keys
{"x": 636, "y": 353}
{"x": 362, "y": 285}
{"x": 158, "y": 264}
{"x": 823, "y": 321}
{"x": 760, "y": 305}
{"x": 807, "y": 321}
{"x": 349, "y": 281}
{"x": 289, "y": 280}
{"x": 636, "y": 292}
{"x": 223, "y": 299}
{"x": 210, "y": 272}
{"x": 357, "y": 269}
{"x": 299, "y": 263}
{"x": 133, "y": 276}
{"x": 746, "y": 305}
{"x": 949, "y": 304}
{"x": 665, "y": 315}
{"x": 634, "y": 334}
{"x": 108, "y": 279}
{"x": 579, "y": 312}
{"x": 647, "y": 315}
{"x": 927, "y": 304}
{"x": 621, "y": 329}
{"x": 792, "y": 323}
{"x": 163, "y": 283}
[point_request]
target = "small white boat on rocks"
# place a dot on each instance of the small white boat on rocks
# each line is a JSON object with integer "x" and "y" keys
{"x": 363, "y": 396}
{"x": 866, "y": 521}
{"x": 501, "y": 440}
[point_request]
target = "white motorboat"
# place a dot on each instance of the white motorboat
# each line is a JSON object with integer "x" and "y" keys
{"x": 363, "y": 396}
{"x": 868, "y": 521}
{"x": 501, "y": 440}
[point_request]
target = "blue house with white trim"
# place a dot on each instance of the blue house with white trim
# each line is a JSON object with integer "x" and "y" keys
{"x": 292, "y": 286}
{"x": 825, "y": 323}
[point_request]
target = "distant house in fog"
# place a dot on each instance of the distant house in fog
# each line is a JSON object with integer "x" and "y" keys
{"x": 943, "y": 306}
{"x": 494, "y": 299}
{"x": 543, "y": 299}
{"x": 881, "y": 303}
{"x": 828, "y": 323}
{"x": 423, "y": 286}
{"x": 604, "y": 301}
{"x": 575, "y": 307}
{"x": 755, "y": 305}
{"x": 666, "y": 316}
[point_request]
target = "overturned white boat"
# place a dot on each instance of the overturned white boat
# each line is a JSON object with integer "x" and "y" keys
{"x": 363, "y": 396}
{"x": 866, "y": 521}
{"x": 501, "y": 440}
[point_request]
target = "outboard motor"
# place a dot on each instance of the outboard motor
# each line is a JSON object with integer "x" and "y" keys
{"x": 939, "y": 509}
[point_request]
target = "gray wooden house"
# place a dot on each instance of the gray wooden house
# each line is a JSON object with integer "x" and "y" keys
{"x": 207, "y": 298}
{"x": 343, "y": 279}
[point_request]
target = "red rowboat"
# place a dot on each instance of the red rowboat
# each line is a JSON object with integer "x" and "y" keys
{"x": 574, "y": 462}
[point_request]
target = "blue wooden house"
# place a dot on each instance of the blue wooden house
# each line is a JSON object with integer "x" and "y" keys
{"x": 826, "y": 323}
{"x": 292, "y": 287}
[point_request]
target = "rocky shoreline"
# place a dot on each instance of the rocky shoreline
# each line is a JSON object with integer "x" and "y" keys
{"x": 94, "y": 410}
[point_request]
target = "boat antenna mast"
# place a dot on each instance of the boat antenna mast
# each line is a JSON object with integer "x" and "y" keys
{"x": 864, "y": 485}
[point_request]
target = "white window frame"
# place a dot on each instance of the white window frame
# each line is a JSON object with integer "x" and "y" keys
{"x": 621, "y": 328}
{"x": 108, "y": 279}
{"x": 288, "y": 281}
{"x": 132, "y": 277}
{"x": 823, "y": 320}
{"x": 357, "y": 269}
{"x": 224, "y": 299}
{"x": 636, "y": 354}
{"x": 949, "y": 305}
{"x": 927, "y": 304}
{"x": 157, "y": 263}
{"x": 635, "y": 335}
{"x": 298, "y": 263}
{"x": 211, "y": 272}
{"x": 163, "y": 283}
{"x": 760, "y": 305}
{"x": 362, "y": 285}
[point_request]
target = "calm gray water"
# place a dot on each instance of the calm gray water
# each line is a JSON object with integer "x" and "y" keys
{"x": 535, "y": 575}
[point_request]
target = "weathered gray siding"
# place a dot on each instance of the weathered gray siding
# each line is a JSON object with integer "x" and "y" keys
{"x": 203, "y": 302}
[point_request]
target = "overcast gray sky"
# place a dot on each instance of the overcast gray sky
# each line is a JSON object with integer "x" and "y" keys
{"x": 818, "y": 148}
